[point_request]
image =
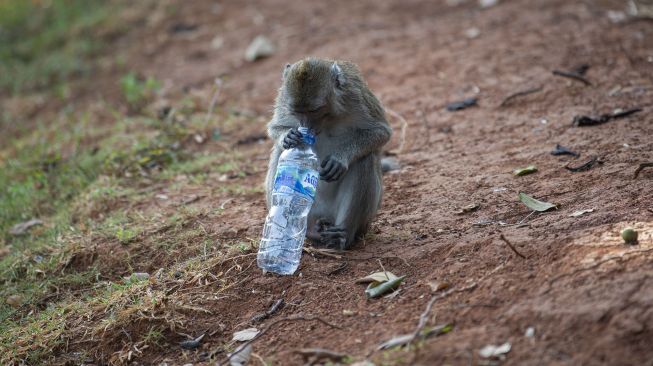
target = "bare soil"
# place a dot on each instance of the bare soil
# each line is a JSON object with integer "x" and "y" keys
{"x": 587, "y": 296}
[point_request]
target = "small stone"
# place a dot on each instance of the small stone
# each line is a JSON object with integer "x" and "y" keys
{"x": 260, "y": 47}
{"x": 15, "y": 301}
{"x": 389, "y": 164}
{"x": 472, "y": 32}
{"x": 530, "y": 332}
{"x": 347, "y": 312}
{"x": 616, "y": 16}
{"x": 217, "y": 42}
{"x": 494, "y": 351}
{"x": 484, "y": 4}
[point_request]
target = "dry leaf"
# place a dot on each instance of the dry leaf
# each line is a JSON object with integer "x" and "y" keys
{"x": 581, "y": 212}
{"x": 377, "y": 277}
{"x": 240, "y": 356}
{"x": 438, "y": 285}
{"x": 245, "y": 334}
{"x": 494, "y": 351}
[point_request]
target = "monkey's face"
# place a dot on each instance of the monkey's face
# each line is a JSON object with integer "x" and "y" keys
{"x": 309, "y": 89}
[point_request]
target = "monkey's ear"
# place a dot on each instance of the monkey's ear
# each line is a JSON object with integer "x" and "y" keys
{"x": 285, "y": 71}
{"x": 338, "y": 75}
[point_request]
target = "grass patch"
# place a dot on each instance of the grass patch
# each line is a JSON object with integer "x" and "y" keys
{"x": 96, "y": 178}
{"x": 45, "y": 43}
{"x": 136, "y": 91}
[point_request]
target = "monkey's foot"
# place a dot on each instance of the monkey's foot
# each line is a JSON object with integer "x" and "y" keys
{"x": 334, "y": 237}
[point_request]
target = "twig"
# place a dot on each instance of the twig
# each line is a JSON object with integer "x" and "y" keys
{"x": 383, "y": 268}
{"x": 424, "y": 316}
{"x": 338, "y": 269}
{"x": 519, "y": 94}
{"x": 511, "y": 246}
{"x": 641, "y": 167}
{"x": 214, "y": 99}
{"x": 404, "y": 125}
{"x": 586, "y": 166}
{"x": 525, "y": 218}
{"x": 273, "y": 309}
{"x": 290, "y": 318}
{"x": 572, "y": 75}
{"x": 325, "y": 252}
{"x": 427, "y": 130}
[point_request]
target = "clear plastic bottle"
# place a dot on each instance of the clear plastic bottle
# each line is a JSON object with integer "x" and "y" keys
{"x": 295, "y": 182}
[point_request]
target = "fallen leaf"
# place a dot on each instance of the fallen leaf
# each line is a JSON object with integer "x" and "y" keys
{"x": 581, "y": 212}
{"x": 192, "y": 343}
{"x": 468, "y": 208}
{"x": 561, "y": 150}
{"x": 245, "y": 334}
{"x": 21, "y": 228}
{"x": 377, "y": 277}
{"x": 320, "y": 354}
{"x": 534, "y": 204}
{"x": 406, "y": 338}
{"x": 376, "y": 290}
{"x": 494, "y": 351}
{"x": 396, "y": 341}
{"x": 240, "y": 356}
{"x": 460, "y": 105}
{"x": 523, "y": 171}
{"x": 438, "y": 285}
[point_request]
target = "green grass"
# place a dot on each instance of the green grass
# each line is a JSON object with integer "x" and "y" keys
{"x": 51, "y": 173}
{"x": 136, "y": 91}
{"x": 45, "y": 43}
{"x": 92, "y": 178}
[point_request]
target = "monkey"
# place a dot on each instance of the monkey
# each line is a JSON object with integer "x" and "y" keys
{"x": 332, "y": 99}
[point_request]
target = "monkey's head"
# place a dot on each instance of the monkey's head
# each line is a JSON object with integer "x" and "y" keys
{"x": 311, "y": 89}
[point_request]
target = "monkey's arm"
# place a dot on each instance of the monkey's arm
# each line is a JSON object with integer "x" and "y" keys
{"x": 361, "y": 142}
{"x": 348, "y": 149}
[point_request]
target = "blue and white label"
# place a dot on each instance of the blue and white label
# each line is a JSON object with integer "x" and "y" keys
{"x": 300, "y": 180}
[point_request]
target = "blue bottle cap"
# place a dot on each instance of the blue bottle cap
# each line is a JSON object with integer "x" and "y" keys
{"x": 308, "y": 135}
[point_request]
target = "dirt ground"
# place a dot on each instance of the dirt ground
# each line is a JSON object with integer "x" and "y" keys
{"x": 587, "y": 296}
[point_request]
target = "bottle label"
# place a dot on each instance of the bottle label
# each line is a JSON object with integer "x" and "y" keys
{"x": 297, "y": 179}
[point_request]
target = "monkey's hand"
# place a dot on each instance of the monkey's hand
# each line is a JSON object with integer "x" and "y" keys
{"x": 332, "y": 169}
{"x": 293, "y": 139}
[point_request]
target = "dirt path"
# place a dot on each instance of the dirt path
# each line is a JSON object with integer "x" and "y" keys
{"x": 588, "y": 297}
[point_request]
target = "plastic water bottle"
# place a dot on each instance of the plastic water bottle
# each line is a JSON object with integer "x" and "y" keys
{"x": 293, "y": 194}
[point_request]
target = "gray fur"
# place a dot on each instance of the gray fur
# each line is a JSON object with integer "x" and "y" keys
{"x": 333, "y": 99}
